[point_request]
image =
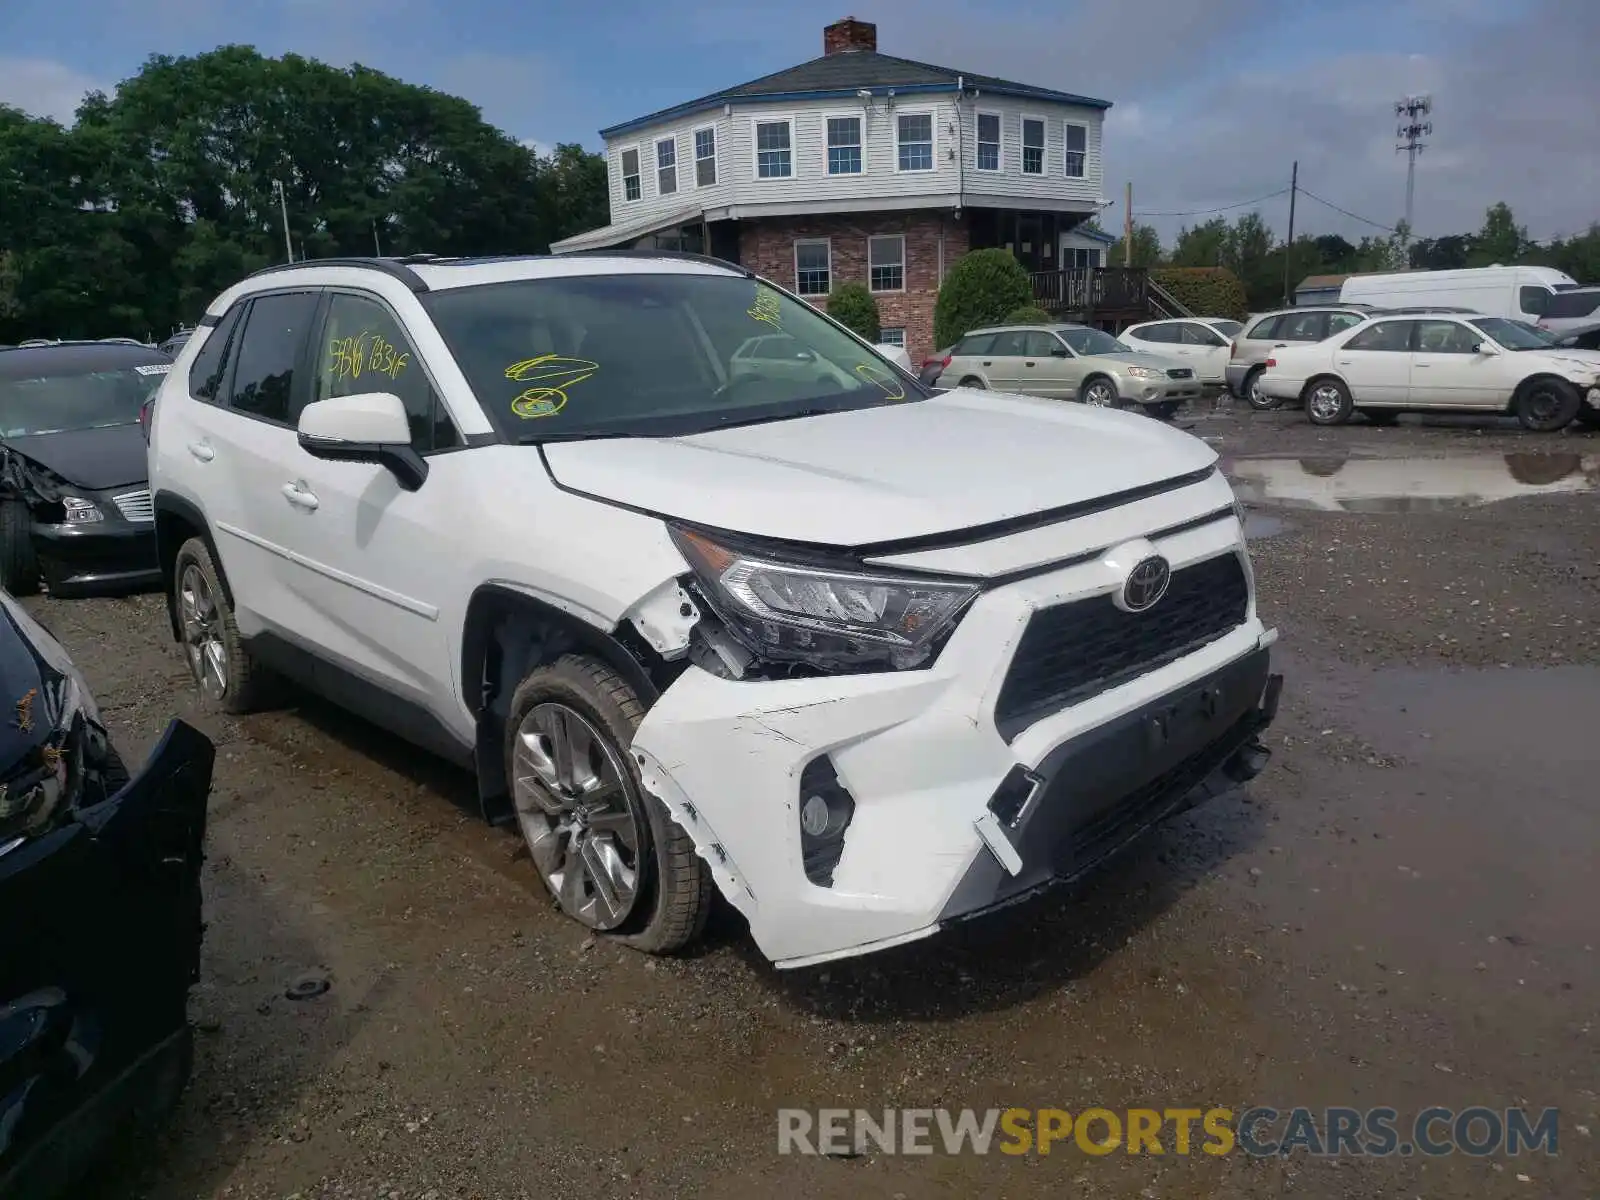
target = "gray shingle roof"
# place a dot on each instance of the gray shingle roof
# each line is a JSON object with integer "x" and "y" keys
{"x": 850, "y": 72}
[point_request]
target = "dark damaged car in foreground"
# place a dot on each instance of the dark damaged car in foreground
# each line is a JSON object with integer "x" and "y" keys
{"x": 100, "y": 920}
{"x": 74, "y": 497}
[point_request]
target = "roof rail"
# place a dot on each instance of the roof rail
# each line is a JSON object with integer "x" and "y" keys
{"x": 682, "y": 255}
{"x": 395, "y": 268}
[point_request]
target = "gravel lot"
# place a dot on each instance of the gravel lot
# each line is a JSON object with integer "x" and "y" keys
{"x": 1400, "y": 912}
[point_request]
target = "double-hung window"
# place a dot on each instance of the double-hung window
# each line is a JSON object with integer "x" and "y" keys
{"x": 1032, "y": 146}
{"x": 630, "y": 174}
{"x": 844, "y": 145}
{"x": 705, "y": 157}
{"x": 666, "y": 166}
{"x": 988, "y": 142}
{"x": 886, "y": 263}
{"x": 1077, "y": 149}
{"x": 774, "y": 149}
{"x": 813, "y": 274}
{"x": 914, "y": 141}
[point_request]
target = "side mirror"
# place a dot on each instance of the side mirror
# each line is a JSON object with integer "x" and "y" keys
{"x": 897, "y": 355}
{"x": 1485, "y": 348}
{"x": 1058, "y": 352}
{"x": 369, "y": 428}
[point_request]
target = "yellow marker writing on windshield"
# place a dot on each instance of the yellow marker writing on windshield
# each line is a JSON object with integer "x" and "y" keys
{"x": 766, "y": 308}
{"x": 552, "y": 375}
{"x": 891, "y": 386}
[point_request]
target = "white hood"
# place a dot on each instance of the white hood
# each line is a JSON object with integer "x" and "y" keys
{"x": 960, "y": 459}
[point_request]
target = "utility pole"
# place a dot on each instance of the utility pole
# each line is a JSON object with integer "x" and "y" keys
{"x": 1288, "y": 246}
{"x": 283, "y": 205}
{"x": 1412, "y": 128}
{"x": 1127, "y": 227}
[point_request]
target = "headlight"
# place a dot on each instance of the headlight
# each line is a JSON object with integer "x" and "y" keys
{"x": 829, "y": 618}
{"x": 1146, "y": 373}
{"x": 81, "y": 511}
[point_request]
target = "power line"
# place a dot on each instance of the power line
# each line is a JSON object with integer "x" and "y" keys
{"x": 1201, "y": 212}
{"x": 1310, "y": 195}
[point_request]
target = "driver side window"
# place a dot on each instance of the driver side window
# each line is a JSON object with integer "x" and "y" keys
{"x": 363, "y": 350}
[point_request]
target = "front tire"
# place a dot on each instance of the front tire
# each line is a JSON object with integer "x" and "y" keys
{"x": 221, "y": 666}
{"x": 19, "y": 565}
{"x": 1328, "y": 402}
{"x": 1164, "y": 410}
{"x": 1547, "y": 405}
{"x": 972, "y": 381}
{"x": 610, "y": 853}
{"x": 1100, "y": 392}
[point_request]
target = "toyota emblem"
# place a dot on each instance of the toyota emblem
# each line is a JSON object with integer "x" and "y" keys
{"x": 1146, "y": 583}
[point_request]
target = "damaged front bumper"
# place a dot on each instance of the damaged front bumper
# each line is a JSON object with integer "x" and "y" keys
{"x": 110, "y": 554}
{"x": 947, "y": 814}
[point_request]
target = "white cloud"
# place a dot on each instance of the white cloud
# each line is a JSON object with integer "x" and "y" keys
{"x": 44, "y": 88}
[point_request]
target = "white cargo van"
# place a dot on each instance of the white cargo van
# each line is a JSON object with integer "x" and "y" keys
{"x": 1518, "y": 293}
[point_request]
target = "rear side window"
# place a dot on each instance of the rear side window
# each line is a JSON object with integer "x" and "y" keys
{"x": 1391, "y": 336}
{"x": 1303, "y": 327}
{"x": 1159, "y": 333}
{"x": 1572, "y": 304}
{"x": 1010, "y": 344}
{"x": 1263, "y": 328}
{"x": 977, "y": 343}
{"x": 210, "y": 366}
{"x": 268, "y": 354}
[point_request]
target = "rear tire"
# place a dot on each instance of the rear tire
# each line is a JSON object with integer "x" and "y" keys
{"x": 222, "y": 668}
{"x": 1328, "y": 402}
{"x": 1252, "y": 392}
{"x": 19, "y": 565}
{"x": 972, "y": 381}
{"x": 579, "y": 803}
{"x": 1547, "y": 405}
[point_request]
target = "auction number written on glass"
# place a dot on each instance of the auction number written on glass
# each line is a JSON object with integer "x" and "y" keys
{"x": 368, "y": 353}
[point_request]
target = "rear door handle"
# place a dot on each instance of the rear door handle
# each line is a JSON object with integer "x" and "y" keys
{"x": 987, "y": 363}
{"x": 297, "y": 495}
{"x": 1028, "y": 363}
{"x": 1420, "y": 365}
{"x": 202, "y": 451}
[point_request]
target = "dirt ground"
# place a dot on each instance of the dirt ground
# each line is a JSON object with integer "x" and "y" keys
{"x": 1401, "y": 911}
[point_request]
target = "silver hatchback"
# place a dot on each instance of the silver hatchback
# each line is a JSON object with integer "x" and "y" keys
{"x": 1070, "y": 362}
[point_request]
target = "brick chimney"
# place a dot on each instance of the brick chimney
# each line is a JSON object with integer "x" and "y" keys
{"x": 848, "y": 36}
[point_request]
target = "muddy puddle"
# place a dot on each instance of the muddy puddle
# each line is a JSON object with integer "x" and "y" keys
{"x": 1376, "y": 485}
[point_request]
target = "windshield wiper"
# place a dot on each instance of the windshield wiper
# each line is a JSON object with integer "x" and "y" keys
{"x": 572, "y": 435}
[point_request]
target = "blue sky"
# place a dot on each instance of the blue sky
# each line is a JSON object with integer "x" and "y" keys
{"x": 1213, "y": 98}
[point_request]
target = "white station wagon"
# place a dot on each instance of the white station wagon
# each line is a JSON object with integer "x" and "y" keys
{"x": 1387, "y": 365}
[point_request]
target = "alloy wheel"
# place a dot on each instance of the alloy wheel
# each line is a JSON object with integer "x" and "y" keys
{"x": 203, "y": 642}
{"x": 1101, "y": 395}
{"x": 1326, "y": 402}
{"x": 571, "y": 795}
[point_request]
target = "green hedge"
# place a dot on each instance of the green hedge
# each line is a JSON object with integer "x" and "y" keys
{"x": 979, "y": 289}
{"x": 854, "y": 307}
{"x": 1029, "y": 314}
{"x": 1206, "y": 291}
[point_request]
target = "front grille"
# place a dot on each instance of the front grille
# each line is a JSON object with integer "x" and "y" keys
{"x": 135, "y": 506}
{"x": 1180, "y": 373}
{"x": 1073, "y": 651}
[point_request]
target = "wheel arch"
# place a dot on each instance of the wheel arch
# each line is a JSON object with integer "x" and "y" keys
{"x": 505, "y": 635}
{"x": 1097, "y": 376}
{"x": 1321, "y": 376}
{"x": 1537, "y": 377}
{"x": 178, "y": 520}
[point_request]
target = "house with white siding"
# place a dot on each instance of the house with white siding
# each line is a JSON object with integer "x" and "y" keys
{"x": 860, "y": 166}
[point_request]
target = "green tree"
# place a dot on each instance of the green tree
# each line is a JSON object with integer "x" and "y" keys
{"x": 979, "y": 289}
{"x": 1028, "y": 314}
{"x": 856, "y": 309}
{"x": 1202, "y": 245}
{"x": 1146, "y": 248}
{"x": 1501, "y": 240}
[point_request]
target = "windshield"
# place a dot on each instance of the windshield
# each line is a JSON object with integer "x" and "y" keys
{"x": 1513, "y": 335}
{"x": 1226, "y": 328}
{"x": 1093, "y": 341}
{"x": 653, "y": 355}
{"x": 77, "y": 399}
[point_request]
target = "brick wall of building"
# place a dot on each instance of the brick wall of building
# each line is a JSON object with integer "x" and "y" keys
{"x": 766, "y": 246}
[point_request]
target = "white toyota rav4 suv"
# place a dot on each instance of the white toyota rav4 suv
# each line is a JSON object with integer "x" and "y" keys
{"x": 777, "y": 619}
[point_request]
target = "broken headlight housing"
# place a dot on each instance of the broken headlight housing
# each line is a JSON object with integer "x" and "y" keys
{"x": 826, "y": 617}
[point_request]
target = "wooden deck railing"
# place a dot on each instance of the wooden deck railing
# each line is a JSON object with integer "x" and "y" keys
{"x": 1088, "y": 290}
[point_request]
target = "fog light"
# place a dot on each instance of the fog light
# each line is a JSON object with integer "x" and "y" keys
{"x": 826, "y": 809}
{"x": 79, "y": 510}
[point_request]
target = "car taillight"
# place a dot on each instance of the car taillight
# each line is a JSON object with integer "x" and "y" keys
{"x": 945, "y": 362}
{"x": 1233, "y": 349}
{"x": 147, "y": 412}
{"x": 1272, "y": 362}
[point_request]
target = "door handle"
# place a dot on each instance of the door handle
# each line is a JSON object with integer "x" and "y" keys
{"x": 1347, "y": 362}
{"x": 298, "y": 496}
{"x": 987, "y": 363}
{"x": 1421, "y": 365}
{"x": 1028, "y": 363}
{"x": 202, "y": 451}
